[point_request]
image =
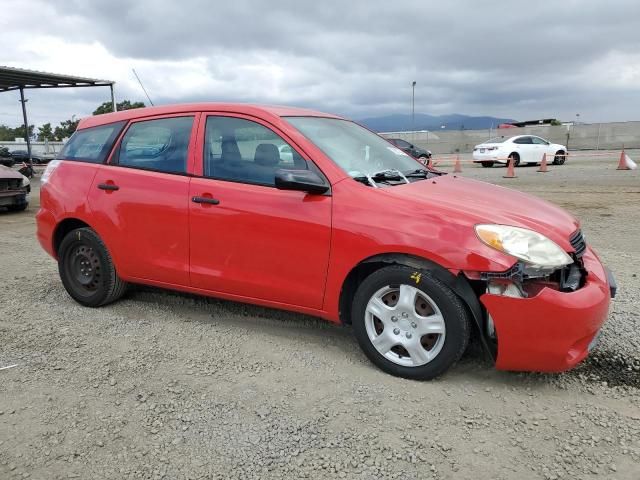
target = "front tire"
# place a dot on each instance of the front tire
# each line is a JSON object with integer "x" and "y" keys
{"x": 559, "y": 158}
{"x": 86, "y": 269}
{"x": 408, "y": 323}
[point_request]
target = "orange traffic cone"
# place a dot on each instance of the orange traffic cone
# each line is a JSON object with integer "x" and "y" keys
{"x": 625, "y": 162}
{"x": 430, "y": 163}
{"x": 543, "y": 164}
{"x": 511, "y": 172}
{"x": 457, "y": 168}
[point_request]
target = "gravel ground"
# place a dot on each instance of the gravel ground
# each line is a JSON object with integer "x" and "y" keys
{"x": 165, "y": 385}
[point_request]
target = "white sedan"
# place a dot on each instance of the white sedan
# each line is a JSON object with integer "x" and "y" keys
{"x": 522, "y": 148}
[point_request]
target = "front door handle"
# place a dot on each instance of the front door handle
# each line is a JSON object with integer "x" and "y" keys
{"x": 207, "y": 200}
{"x": 110, "y": 187}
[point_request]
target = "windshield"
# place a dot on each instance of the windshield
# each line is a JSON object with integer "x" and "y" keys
{"x": 355, "y": 149}
{"x": 497, "y": 140}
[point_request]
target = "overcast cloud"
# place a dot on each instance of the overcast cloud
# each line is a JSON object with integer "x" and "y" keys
{"x": 516, "y": 59}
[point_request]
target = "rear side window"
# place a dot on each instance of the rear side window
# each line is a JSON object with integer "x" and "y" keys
{"x": 91, "y": 144}
{"x": 159, "y": 145}
{"x": 523, "y": 140}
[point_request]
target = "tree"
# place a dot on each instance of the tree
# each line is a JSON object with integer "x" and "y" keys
{"x": 107, "y": 107}
{"x": 10, "y": 134}
{"x": 65, "y": 129}
{"x": 45, "y": 132}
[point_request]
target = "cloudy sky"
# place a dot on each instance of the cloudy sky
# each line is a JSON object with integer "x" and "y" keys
{"x": 516, "y": 59}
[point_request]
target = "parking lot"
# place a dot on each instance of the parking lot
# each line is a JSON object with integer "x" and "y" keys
{"x": 166, "y": 385}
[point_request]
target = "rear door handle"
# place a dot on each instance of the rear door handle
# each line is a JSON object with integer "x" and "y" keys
{"x": 208, "y": 200}
{"x": 108, "y": 186}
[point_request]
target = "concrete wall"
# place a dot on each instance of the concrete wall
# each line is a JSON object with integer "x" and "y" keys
{"x": 37, "y": 148}
{"x": 592, "y": 136}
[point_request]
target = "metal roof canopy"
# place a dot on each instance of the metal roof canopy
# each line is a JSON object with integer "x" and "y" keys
{"x": 20, "y": 79}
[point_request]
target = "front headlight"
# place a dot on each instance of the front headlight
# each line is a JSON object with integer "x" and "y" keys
{"x": 529, "y": 246}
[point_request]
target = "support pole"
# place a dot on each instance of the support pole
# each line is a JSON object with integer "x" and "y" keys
{"x": 113, "y": 99}
{"x": 413, "y": 106}
{"x": 26, "y": 126}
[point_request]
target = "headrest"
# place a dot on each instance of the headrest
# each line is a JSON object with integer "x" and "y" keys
{"x": 267, "y": 155}
{"x": 230, "y": 151}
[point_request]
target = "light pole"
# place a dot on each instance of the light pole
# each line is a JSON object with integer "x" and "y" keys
{"x": 413, "y": 105}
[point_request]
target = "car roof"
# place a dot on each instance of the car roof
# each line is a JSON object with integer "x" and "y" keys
{"x": 261, "y": 111}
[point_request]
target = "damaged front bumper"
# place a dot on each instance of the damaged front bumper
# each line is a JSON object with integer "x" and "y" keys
{"x": 551, "y": 330}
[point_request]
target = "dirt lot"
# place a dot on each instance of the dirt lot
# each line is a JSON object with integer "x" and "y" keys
{"x": 164, "y": 385}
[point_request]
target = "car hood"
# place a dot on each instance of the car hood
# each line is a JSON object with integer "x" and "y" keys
{"x": 471, "y": 202}
{"x": 6, "y": 172}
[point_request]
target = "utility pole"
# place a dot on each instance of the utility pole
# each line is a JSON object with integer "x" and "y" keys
{"x": 413, "y": 106}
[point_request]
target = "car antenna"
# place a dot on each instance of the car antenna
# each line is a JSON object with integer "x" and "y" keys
{"x": 143, "y": 89}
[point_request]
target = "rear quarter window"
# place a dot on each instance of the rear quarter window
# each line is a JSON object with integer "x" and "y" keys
{"x": 91, "y": 144}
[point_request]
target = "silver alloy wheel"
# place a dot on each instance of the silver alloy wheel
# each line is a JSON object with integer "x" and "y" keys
{"x": 405, "y": 325}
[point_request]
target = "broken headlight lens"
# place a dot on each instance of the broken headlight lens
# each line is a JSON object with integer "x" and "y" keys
{"x": 531, "y": 247}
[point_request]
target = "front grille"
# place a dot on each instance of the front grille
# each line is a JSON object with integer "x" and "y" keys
{"x": 10, "y": 184}
{"x": 578, "y": 243}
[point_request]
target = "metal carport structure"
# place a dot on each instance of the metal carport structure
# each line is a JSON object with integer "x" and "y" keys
{"x": 20, "y": 79}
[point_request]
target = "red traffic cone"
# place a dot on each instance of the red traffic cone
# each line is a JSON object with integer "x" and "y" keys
{"x": 457, "y": 168}
{"x": 625, "y": 162}
{"x": 543, "y": 164}
{"x": 430, "y": 163}
{"x": 511, "y": 172}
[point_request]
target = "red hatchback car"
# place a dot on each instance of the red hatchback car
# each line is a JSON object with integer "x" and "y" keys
{"x": 309, "y": 212}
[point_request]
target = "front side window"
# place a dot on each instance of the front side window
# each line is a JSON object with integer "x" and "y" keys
{"x": 160, "y": 145}
{"x": 356, "y": 150}
{"x": 91, "y": 144}
{"x": 240, "y": 150}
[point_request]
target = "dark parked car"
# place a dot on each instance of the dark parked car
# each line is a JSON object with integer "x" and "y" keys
{"x": 5, "y": 157}
{"x": 23, "y": 156}
{"x": 406, "y": 147}
{"x": 13, "y": 189}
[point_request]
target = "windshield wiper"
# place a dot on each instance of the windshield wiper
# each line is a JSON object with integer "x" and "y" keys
{"x": 389, "y": 174}
{"x": 421, "y": 173}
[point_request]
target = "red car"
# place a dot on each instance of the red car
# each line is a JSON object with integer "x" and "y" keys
{"x": 345, "y": 226}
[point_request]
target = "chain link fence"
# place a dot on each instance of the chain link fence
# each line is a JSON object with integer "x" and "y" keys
{"x": 592, "y": 136}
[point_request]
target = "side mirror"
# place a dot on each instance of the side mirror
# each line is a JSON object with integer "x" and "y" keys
{"x": 301, "y": 180}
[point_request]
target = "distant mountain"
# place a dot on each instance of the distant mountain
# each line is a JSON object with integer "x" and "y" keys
{"x": 399, "y": 123}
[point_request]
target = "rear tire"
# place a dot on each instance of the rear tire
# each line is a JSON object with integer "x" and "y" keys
{"x": 421, "y": 335}
{"x": 86, "y": 269}
{"x": 559, "y": 157}
{"x": 487, "y": 164}
{"x": 516, "y": 159}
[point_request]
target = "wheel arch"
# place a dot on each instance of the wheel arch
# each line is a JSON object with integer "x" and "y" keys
{"x": 63, "y": 228}
{"x": 458, "y": 283}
